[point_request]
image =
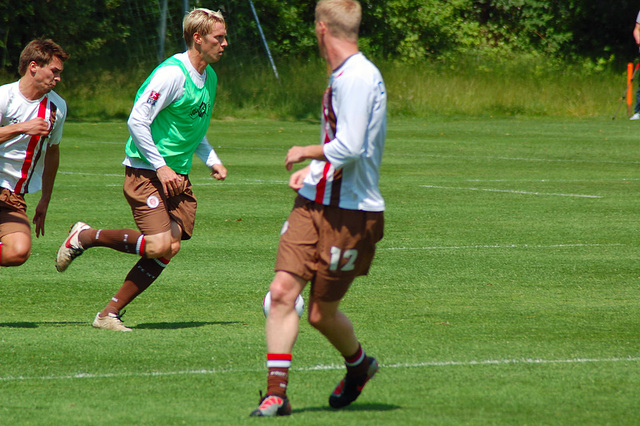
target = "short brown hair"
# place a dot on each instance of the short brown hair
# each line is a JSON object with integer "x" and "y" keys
{"x": 200, "y": 21}
{"x": 341, "y": 16}
{"x": 41, "y": 52}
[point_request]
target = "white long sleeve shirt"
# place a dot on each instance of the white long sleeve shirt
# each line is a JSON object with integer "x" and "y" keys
{"x": 353, "y": 133}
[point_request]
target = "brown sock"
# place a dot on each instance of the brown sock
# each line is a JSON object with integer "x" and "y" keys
{"x": 278, "y": 376}
{"x": 123, "y": 240}
{"x": 357, "y": 364}
{"x": 138, "y": 280}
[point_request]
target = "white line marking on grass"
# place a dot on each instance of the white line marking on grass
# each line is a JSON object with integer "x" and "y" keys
{"x": 556, "y": 180}
{"x": 488, "y": 157}
{"x": 512, "y": 191}
{"x": 257, "y": 182}
{"x": 470, "y": 363}
{"x": 199, "y": 184}
{"x": 499, "y": 246}
{"x": 562, "y": 160}
{"x": 243, "y": 148}
{"x": 93, "y": 174}
{"x": 479, "y": 246}
{"x": 513, "y": 362}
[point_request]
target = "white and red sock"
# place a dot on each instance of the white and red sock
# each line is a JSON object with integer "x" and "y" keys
{"x": 278, "y": 376}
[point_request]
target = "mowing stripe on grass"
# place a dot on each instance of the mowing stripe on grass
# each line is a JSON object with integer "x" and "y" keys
{"x": 470, "y": 363}
{"x": 195, "y": 182}
{"x": 512, "y": 191}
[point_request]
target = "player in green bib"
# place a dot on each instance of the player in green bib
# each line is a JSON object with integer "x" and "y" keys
{"x": 168, "y": 125}
{"x": 179, "y": 128}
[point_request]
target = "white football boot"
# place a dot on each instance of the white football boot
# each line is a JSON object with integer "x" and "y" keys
{"x": 71, "y": 247}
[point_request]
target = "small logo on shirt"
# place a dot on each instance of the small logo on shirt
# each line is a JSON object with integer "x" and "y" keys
{"x": 52, "y": 117}
{"x": 199, "y": 111}
{"x": 153, "y": 97}
{"x": 153, "y": 202}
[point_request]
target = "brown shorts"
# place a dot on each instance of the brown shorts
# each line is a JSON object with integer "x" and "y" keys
{"x": 152, "y": 210}
{"x": 328, "y": 246}
{"x": 13, "y": 213}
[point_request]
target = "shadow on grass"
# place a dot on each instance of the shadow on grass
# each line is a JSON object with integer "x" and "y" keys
{"x": 180, "y": 325}
{"x": 39, "y": 324}
{"x": 356, "y": 407}
{"x": 147, "y": 326}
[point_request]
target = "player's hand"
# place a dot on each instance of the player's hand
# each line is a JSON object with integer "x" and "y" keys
{"x": 39, "y": 217}
{"x": 172, "y": 183}
{"x": 37, "y": 126}
{"x": 295, "y": 155}
{"x": 219, "y": 172}
{"x": 296, "y": 181}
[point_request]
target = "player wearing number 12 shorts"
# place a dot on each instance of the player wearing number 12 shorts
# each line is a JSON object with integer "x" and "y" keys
{"x": 338, "y": 216}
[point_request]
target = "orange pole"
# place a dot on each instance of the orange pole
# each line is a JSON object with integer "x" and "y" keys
{"x": 629, "y": 87}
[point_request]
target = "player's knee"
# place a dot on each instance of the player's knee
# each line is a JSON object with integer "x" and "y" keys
{"x": 318, "y": 322}
{"x": 175, "y": 248}
{"x": 15, "y": 255}
{"x": 317, "y": 318}
{"x": 324, "y": 316}
{"x": 278, "y": 292}
{"x": 282, "y": 297}
{"x": 156, "y": 251}
{"x": 282, "y": 292}
{"x": 158, "y": 246}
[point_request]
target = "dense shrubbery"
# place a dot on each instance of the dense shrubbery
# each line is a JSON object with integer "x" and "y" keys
{"x": 111, "y": 32}
{"x": 474, "y": 57}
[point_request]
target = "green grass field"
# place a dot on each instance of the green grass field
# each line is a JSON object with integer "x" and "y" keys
{"x": 505, "y": 290}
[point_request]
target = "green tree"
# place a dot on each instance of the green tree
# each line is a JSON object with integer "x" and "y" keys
{"x": 108, "y": 33}
{"x": 94, "y": 31}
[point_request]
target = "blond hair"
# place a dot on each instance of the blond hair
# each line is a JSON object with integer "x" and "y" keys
{"x": 342, "y": 17}
{"x": 201, "y": 21}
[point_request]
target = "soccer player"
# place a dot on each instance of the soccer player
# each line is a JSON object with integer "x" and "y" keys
{"x": 330, "y": 236}
{"x": 31, "y": 120}
{"x": 168, "y": 124}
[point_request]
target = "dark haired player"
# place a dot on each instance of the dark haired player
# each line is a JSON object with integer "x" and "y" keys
{"x": 31, "y": 120}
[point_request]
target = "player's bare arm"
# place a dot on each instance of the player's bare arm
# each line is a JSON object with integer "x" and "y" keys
{"x": 37, "y": 126}
{"x": 51, "y": 164}
{"x": 297, "y": 154}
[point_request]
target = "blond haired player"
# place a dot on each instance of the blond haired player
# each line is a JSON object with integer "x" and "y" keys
{"x": 330, "y": 236}
{"x": 168, "y": 124}
{"x": 31, "y": 120}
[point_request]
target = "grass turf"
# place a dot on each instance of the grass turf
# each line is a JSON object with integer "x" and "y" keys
{"x": 504, "y": 292}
